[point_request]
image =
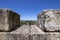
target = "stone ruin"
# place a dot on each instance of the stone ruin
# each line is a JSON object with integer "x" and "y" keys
{"x": 47, "y": 28}
{"x": 49, "y": 20}
{"x": 9, "y": 20}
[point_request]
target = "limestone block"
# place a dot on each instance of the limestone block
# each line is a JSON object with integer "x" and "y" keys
{"x": 52, "y": 36}
{"x": 49, "y": 20}
{"x": 17, "y": 35}
{"x": 9, "y": 36}
{"x": 46, "y": 36}
{"x": 38, "y": 37}
{"x": 8, "y": 20}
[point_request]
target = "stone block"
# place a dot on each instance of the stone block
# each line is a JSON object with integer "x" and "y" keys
{"x": 38, "y": 37}
{"x": 52, "y": 36}
{"x": 46, "y": 36}
{"x": 9, "y": 36}
{"x": 8, "y": 20}
{"x": 49, "y": 20}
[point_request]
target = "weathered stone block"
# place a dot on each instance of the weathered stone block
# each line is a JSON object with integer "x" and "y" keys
{"x": 52, "y": 36}
{"x": 8, "y": 20}
{"x": 49, "y": 20}
{"x": 9, "y": 36}
{"x": 38, "y": 37}
{"x": 13, "y": 36}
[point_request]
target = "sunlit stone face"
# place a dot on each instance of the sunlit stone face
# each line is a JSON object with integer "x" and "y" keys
{"x": 50, "y": 20}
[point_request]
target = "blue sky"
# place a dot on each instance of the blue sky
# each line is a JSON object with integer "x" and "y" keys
{"x": 29, "y": 9}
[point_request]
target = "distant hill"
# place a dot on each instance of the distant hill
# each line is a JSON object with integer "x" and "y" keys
{"x": 27, "y": 22}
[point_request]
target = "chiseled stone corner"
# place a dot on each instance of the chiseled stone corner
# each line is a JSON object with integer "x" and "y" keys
{"x": 8, "y": 20}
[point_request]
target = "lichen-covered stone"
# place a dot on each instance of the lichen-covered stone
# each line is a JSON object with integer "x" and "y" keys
{"x": 8, "y": 20}
{"x": 49, "y": 20}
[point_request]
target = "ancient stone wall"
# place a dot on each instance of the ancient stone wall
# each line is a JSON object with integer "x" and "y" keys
{"x": 47, "y": 26}
{"x": 46, "y": 36}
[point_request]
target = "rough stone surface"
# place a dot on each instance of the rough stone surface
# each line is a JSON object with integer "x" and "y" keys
{"x": 28, "y": 29}
{"x": 31, "y": 33}
{"x": 9, "y": 36}
{"x": 8, "y": 20}
{"x": 52, "y": 36}
{"x": 46, "y": 36}
{"x": 35, "y": 30}
{"x": 24, "y": 29}
{"x": 49, "y": 20}
{"x": 25, "y": 32}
